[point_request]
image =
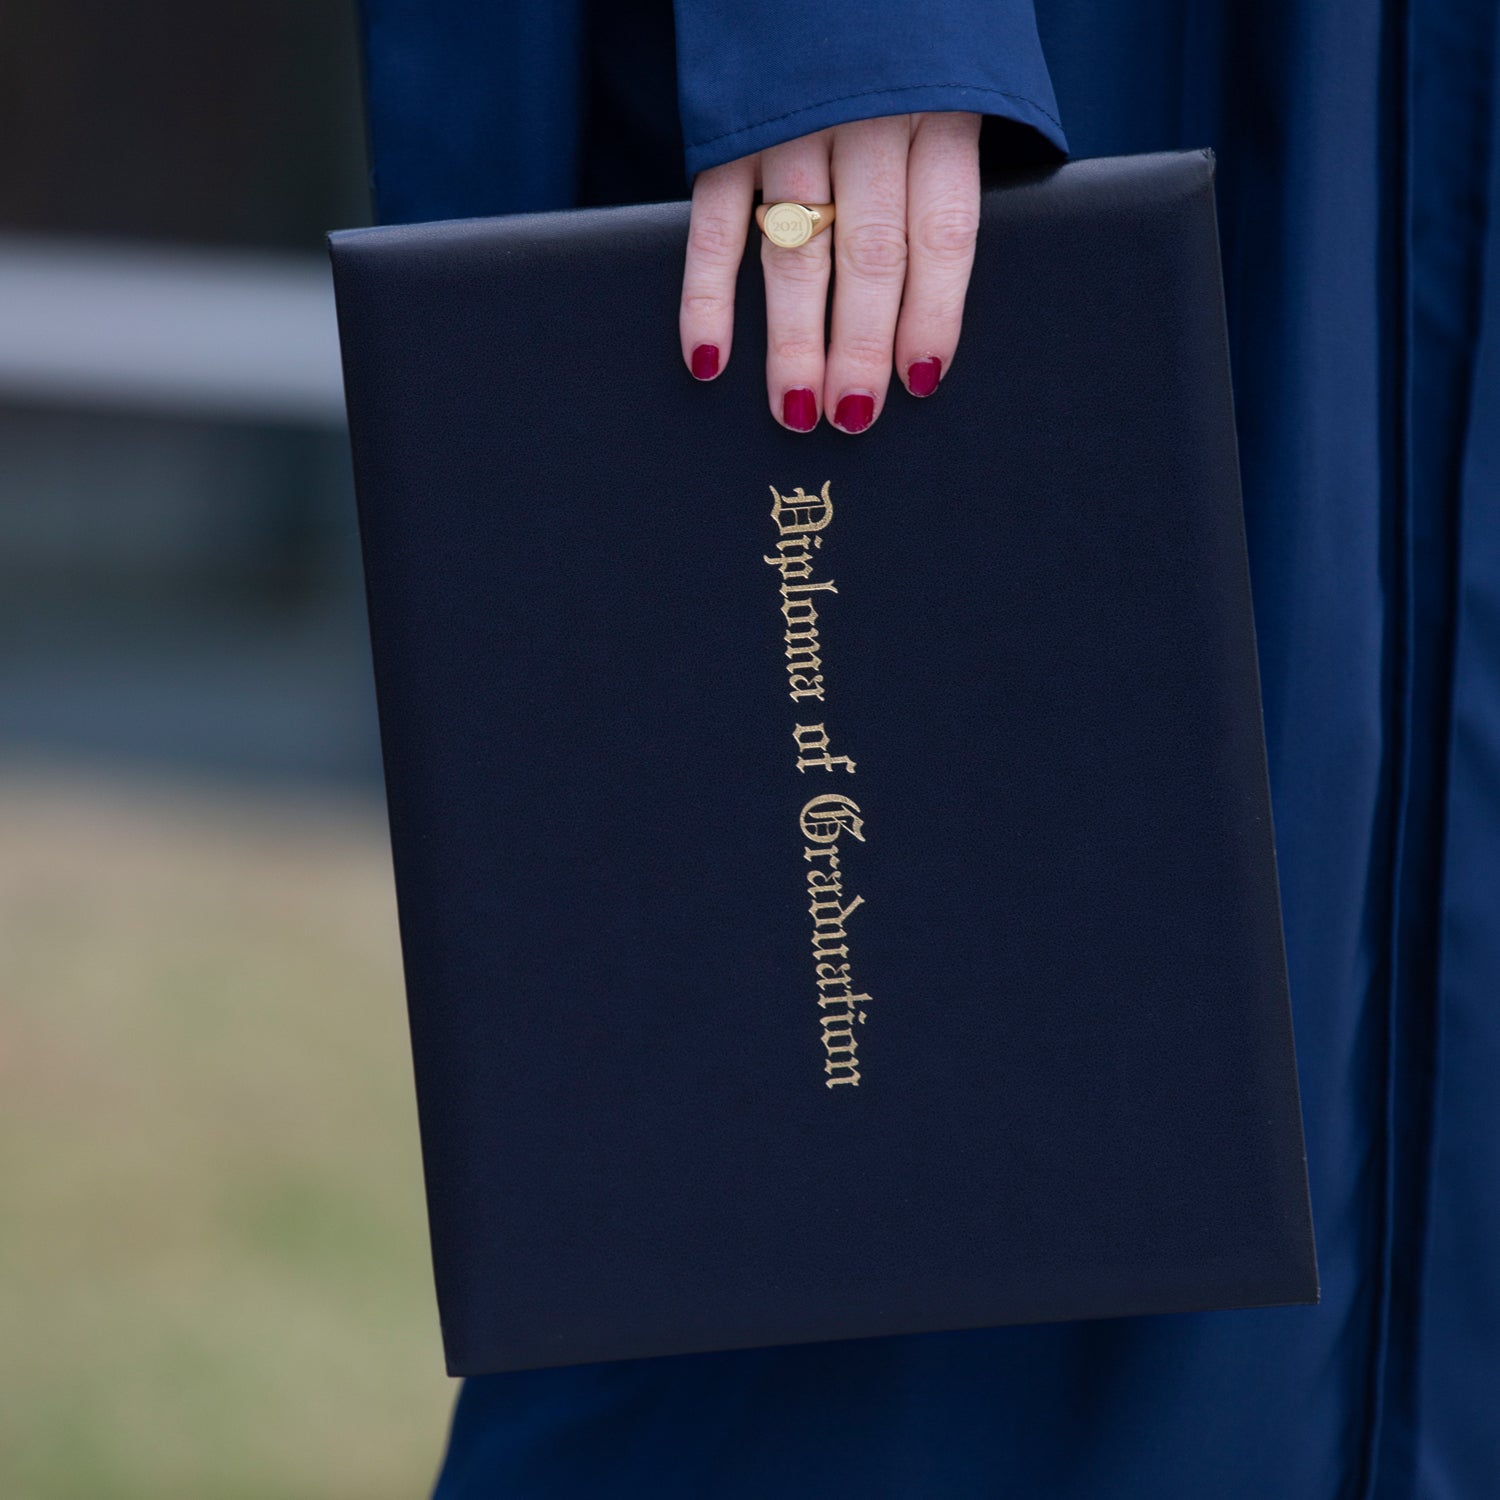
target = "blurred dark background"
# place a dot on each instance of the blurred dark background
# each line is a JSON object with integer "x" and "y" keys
{"x": 175, "y": 518}
{"x": 213, "y": 1265}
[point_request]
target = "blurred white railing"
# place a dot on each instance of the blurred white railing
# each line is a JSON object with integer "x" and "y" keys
{"x": 175, "y": 331}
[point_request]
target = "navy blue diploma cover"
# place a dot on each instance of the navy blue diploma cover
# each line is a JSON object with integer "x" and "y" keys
{"x": 836, "y": 878}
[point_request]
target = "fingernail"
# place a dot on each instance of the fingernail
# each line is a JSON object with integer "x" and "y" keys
{"x": 855, "y": 411}
{"x": 922, "y": 375}
{"x": 706, "y": 361}
{"x": 799, "y": 409}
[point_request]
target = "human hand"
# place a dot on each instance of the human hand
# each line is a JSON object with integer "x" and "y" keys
{"x": 902, "y": 243}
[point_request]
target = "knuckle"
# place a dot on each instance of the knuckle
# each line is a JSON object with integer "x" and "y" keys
{"x": 796, "y": 348}
{"x": 948, "y": 233}
{"x": 705, "y": 306}
{"x": 876, "y": 252}
{"x": 714, "y": 240}
{"x": 803, "y": 266}
{"x": 937, "y": 308}
{"x": 868, "y": 351}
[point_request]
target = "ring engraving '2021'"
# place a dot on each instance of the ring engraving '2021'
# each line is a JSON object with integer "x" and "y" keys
{"x": 788, "y": 225}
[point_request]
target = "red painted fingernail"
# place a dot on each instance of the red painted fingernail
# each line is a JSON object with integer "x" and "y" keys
{"x": 922, "y": 375}
{"x": 855, "y": 411}
{"x": 799, "y": 409}
{"x": 706, "y": 361}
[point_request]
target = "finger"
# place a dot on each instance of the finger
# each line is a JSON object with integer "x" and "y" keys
{"x": 942, "y": 220}
{"x": 718, "y": 223}
{"x": 869, "y": 253}
{"x": 796, "y": 284}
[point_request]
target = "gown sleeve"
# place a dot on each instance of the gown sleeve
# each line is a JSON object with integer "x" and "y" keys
{"x": 754, "y": 73}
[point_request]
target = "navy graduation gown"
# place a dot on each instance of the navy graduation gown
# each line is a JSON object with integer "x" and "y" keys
{"x": 1359, "y": 153}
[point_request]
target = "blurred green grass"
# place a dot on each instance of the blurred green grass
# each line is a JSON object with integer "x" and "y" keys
{"x": 214, "y": 1274}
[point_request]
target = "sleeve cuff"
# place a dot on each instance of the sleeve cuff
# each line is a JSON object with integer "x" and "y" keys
{"x": 754, "y": 73}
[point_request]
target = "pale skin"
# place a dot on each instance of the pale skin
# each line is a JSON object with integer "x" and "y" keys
{"x": 898, "y": 256}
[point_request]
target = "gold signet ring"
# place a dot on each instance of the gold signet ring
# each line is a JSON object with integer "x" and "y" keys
{"x": 793, "y": 224}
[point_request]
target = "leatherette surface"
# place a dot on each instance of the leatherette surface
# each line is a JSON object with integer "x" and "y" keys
{"x": 1076, "y": 1090}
